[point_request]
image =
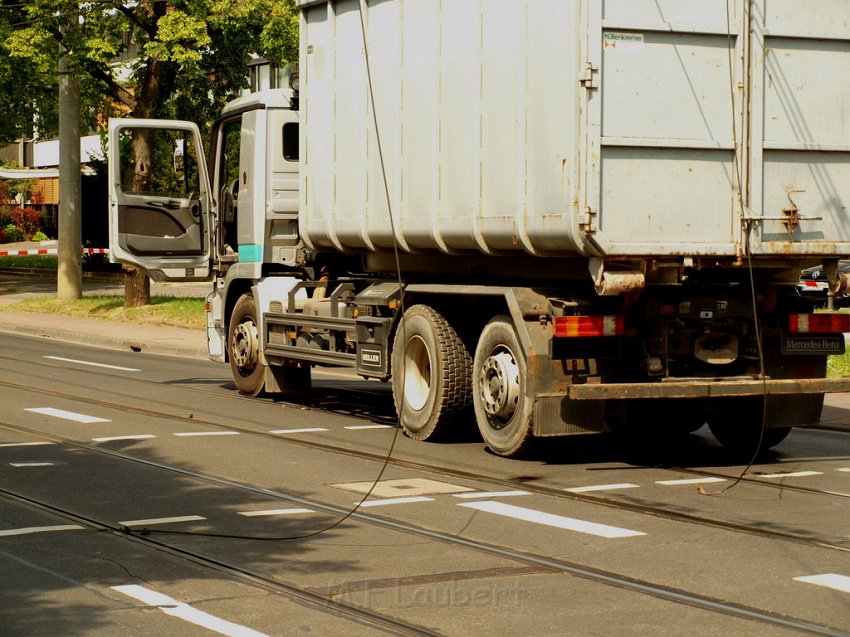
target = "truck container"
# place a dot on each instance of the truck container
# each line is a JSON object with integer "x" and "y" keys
{"x": 543, "y": 217}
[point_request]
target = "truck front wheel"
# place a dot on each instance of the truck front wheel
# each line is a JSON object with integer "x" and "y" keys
{"x": 243, "y": 344}
{"x": 499, "y": 375}
{"x": 431, "y": 375}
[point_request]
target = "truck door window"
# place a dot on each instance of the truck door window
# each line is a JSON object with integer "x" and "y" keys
{"x": 290, "y": 141}
{"x": 158, "y": 163}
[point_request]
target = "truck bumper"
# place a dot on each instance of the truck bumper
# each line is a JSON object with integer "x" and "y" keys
{"x": 708, "y": 388}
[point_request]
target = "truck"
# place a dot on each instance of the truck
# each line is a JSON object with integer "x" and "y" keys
{"x": 539, "y": 218}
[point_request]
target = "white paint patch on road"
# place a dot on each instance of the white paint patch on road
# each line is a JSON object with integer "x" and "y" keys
{"x": 67, "y": 415}
{"x": 673, "y": 483}
{"x": 40, "y": 529}
{"x": 829, "y": 580}
{"x": 251, "y": 514}
{"x": 306, "y": 430}
{"x": 602, "y": 487}
{"x": 356, "y": 427}
{"x": 32, "y": 463}
{"x": 92, "y": 364}
{"x": 402, "y": 488}
{"x": 489, "y": 494}
{"x": 131, "y": 437}
{"x": 183, "y": 611}
{"x": 25, "y": 444}
{"x": 790, "y": 474}
{"x": 844, "y": 469}
{"x": 186, "y": 434}
{"x": 182, "y": 518}
{"x": 390, "y": 501}
{"x": 549, "y": 519}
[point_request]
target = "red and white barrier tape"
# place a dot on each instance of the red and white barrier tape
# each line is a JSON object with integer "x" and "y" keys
{"x": 23, "y": 253}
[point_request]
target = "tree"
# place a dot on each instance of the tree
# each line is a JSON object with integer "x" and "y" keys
{"x": 181, "y": 59}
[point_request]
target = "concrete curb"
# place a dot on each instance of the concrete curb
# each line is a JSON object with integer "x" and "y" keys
{"x": 167, "y": 341}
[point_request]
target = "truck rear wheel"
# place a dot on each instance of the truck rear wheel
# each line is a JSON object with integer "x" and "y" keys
{"x": 243, "y": 344}
{"x": 499, "y": 372}
{"x": 431, "y": 369}
{"x": 737, "y": 426}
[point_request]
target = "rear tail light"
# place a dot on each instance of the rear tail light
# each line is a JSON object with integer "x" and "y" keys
{"x": 576, "y": 326}
{"x": 818, "y": 323}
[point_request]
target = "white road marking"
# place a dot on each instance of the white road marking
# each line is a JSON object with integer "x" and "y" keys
{"x": 132, "y": 437}
{"x": 184, "y": 518}
{"x": 845, "y": 469}
{"x": 307, "y": 430}
{"x": 830, "y": 580}
{"x": 78, "y": 362}
{"x": 602, "y": 487}
{"x": 274, "y": 512}
{"x": 488, "y": 494}
{"x": 355, "y": 427}
{"x": 207, "y": 433}
{"x": 32, "y": 464}
{"x": 25, "y": 444}
{"x": 67, "y": 415}
{"x": 386, "y": 501}
{"x": 792, "y": 474}
{"x": 670, "y": 483}
{"x": 40, "y": 529}
{"x": 183, "y": 611}
{"x": 558, "y": 521}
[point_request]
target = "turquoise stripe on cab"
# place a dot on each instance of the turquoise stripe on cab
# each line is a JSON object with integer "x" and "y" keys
{"x": 250, "y": 253}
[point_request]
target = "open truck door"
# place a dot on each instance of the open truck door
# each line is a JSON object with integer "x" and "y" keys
{"x": 159, "y": 199}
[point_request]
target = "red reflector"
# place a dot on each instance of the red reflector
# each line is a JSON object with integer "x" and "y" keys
{"x": 572, "y": 326}
{"x": 811, "y": 284}
{"x": 207, "y": 307}
{"x": 818, "y": 323}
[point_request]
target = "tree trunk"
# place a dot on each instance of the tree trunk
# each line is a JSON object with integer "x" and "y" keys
{"x": 137, "y": 287}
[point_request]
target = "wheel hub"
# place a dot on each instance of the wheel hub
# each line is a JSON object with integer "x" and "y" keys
{"x": 500, "y": 385}
{"x": 246, "y": 345}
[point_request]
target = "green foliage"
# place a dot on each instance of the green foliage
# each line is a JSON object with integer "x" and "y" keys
{"x": 39, "y": 236}
{"x": 184, "y": 58}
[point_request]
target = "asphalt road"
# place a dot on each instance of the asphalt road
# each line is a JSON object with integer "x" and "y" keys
{"x": 142, "y": 495}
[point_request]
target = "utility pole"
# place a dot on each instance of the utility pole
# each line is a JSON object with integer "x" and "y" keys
{"x": 69, "y": 276}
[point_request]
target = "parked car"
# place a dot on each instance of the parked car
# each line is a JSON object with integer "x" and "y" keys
{"x": 813, "y": 285}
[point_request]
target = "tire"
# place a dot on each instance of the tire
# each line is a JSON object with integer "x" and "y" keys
{"x": 737, "y": 425}
{"x": 503, "y": 411}
{"x": 432, "y": 370}
{"x": 243, "y": 347}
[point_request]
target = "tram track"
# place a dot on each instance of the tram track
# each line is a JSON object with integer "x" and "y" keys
{"x": 446, "y": 470}
{"x": 385, "y": 622}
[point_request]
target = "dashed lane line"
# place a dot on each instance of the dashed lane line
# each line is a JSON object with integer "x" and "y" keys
{"x": 829, "y": 580}
{"x": 270, "y": 512}
{"x": 130, "y": 437}
{"x": 187, "y": 434}
{"x": 306, "y": 430}
{"x": 183, "y": 611}
{"x": 602, "y": 487}
{"x": 359, "y": 427}
{"x": 390, "y": 501}
{"x": 683, "y": 481}
{"x": 489, "y": 494}
{"x": 27, "y": 530}
{"x": 92, "y": 364}
{"x": 25, "y": 444}
{"x": 549, "y": 519}
{"x": 66, "y": 415}
{"x": 182, "y": 518}
{"x": 32, "y": 463}
{"x": 789, "y": 474}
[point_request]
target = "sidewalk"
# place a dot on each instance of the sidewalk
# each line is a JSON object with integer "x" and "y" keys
{"x": 172, "y": 341}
